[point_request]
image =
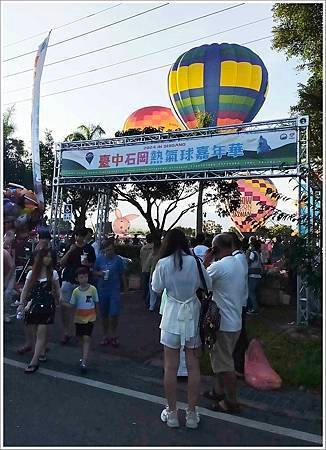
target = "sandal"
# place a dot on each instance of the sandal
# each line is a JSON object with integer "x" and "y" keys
{"x": 115, "y": 342}
{"x": 42, "y": 358}
{"x": 31, "y": 368}
{"x": 24, "y": 349}
{"x": 212, "y": 395}
{"x": 226, "y": 407}
{"x": 105, "y": 341}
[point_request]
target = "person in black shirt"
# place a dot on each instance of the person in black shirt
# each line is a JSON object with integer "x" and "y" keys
{"x": 79, "y": 254}
{"x": 90, "y": 236}
{"x": 44, "y": 240}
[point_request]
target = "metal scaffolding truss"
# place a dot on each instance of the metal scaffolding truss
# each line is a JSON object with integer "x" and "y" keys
{"x": 110, "y": 180}
{"x": 282, "y": 124}
{"x": 103, "y": 185}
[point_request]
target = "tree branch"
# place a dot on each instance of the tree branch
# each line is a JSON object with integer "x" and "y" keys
{"x": 181, "y": 215}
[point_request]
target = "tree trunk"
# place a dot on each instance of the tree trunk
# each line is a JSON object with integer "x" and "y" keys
{"x": 80, "y": 221}
{"x": 199, "y": 225}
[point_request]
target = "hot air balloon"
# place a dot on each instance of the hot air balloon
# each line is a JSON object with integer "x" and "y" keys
{"x": 256, "y": 204}
{"x": 228, "y": 81}
{"x": 152, "y": 116}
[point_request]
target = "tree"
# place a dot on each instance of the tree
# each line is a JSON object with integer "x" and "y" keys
{"x": 86, "y": 132}
{"x": 211, "y": 227}
{"x": 16, "y": 160}
{"x": 284, "y": 231}
{"x": 188, "y": 231}
{"x": 299, "y": 32}
{"x": 82, "y": 201}
{"x": 224, "y": 195}
{"x": 8, "y": 123}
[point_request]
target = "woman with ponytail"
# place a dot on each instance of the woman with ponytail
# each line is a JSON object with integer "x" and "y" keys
{"x": 39, "y": 296}
{"x": 177, "y": 272}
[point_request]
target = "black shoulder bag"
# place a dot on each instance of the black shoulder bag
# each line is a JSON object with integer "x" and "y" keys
{"x": 210, "y": 318}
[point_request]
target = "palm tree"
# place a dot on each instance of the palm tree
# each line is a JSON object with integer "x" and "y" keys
{"x": 83, "y": 201}
{"x": 86, "y": 133}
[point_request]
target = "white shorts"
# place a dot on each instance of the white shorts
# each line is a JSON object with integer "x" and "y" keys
{"x": 174, "y": 340}
{"x": 66, "y": 290}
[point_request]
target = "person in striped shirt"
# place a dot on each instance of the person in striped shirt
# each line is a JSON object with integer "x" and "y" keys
{"x": 85, "y": 300}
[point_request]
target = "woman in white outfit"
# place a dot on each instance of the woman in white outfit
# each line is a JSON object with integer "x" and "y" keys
{"x": 177, "y": 272}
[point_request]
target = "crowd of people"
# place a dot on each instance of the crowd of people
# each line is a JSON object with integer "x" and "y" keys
{"x": 86, "y": 281}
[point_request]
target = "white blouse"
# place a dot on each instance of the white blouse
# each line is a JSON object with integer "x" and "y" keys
{"x": 55, "y": 276}
{"x": 181, "y": 312}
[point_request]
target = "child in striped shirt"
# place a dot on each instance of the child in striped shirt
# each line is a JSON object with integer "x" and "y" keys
{"x": 85, "y": 300}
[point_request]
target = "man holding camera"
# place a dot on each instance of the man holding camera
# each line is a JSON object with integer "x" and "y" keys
{"x": 228, "y": 280}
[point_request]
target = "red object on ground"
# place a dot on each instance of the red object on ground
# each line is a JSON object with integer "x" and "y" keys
{"x": 258, "y": 372}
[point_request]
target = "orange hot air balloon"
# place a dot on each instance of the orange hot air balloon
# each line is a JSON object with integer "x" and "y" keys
{"x": 152, "y": 116}
{"x": 256, "y": 204}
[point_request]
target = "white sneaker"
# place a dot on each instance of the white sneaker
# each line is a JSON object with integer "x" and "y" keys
{"x": 170, "y": 417}
{"x": 192, "y": 418}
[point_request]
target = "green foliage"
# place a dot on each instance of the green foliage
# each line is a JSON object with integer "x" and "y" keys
{"x": 234, "y": 230}
{"x": 86, "y": 132}
{"x": 299, "y": 363}
{"x": 8, "y": 123}
{"x": 306, "y": 259}
{"x": 292, "y": 359}
{"x": 64, "y": 226}
{"x": 188, "y": 231}
{"x": 284, "y": 231}
{"x": 212, "y": 227}
{"x": 299, "y": 33}
{"x": 311, "y": 103}
{"x": 203, "y": 119}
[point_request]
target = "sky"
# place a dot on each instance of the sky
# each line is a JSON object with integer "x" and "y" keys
{"x": 111, "y": 103}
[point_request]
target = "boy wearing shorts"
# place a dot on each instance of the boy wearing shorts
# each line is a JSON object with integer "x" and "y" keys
{"x": 85, "y": 300}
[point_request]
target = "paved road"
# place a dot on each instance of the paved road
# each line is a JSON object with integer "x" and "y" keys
{"x": 118, "y": 404}
{"x": 120, "y": 401}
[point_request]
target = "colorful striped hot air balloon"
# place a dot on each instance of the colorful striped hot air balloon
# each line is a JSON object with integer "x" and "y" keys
{"x": 256, "y": 205}
{"x": 228, "y": 81}
{"x": 152, "y": 116}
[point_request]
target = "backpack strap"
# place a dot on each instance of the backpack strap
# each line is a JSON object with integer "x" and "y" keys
{"x": 201, "y": 275}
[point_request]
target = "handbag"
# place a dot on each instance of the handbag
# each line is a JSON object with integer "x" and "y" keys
{"x": 40, "y": 311}
{"x": 210, "y": 317}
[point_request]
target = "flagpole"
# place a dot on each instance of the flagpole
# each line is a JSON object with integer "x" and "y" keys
{"x": 35, "y": 122}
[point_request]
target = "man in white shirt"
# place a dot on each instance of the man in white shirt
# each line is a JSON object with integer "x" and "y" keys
{"x": 242, "y": 344}
{"x": 200, "y": 249}
{"x": 227, "y": 284}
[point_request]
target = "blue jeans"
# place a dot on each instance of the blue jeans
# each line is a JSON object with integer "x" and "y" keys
{"x": 145, "y": 281}
{"x": 253, "y": 284}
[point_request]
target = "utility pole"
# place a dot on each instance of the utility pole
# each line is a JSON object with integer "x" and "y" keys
{"x": 204, "y": 120}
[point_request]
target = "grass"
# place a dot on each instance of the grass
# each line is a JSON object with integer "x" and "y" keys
{"x": 296, "y": 358}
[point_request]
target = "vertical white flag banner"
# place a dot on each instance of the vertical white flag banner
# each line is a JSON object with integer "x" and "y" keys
{"x": 35, "y": 141}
